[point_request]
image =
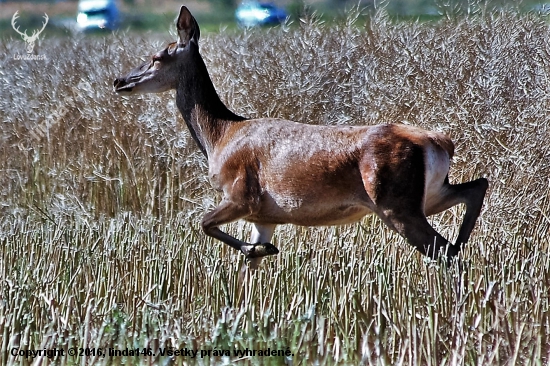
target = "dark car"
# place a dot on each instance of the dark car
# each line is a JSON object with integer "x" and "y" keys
{"x": 252, "y": 14}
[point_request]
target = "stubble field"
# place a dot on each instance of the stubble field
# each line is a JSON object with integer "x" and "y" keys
{"x": 101, "y": 198}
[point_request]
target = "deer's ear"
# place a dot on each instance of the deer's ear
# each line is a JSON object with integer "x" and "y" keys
{"x": 188, "y": 29}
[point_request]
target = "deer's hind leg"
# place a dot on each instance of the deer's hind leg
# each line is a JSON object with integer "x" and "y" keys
{"x": 470, "y": 193}
{"x": 413, "y": 226}
{"x": 397, "y": 193}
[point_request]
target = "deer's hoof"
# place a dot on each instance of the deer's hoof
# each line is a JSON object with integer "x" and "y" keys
{"x": 259, "y": 250}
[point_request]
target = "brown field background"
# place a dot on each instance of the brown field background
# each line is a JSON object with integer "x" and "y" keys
{"x": 101, "y": 198}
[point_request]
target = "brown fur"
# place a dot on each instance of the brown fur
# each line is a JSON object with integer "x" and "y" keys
{"x": 274, "y": 171}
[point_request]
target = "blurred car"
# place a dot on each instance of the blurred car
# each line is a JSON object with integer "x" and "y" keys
{"x": 542, "y": 9}
{"x": 97, "y": 14}
{"x": 251, "y": 14}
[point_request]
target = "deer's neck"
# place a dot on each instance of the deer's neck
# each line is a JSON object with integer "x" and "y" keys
{"x": 204, "y": 113}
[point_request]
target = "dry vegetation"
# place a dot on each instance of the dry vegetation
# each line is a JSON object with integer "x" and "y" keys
{"x": 101, "y": 199}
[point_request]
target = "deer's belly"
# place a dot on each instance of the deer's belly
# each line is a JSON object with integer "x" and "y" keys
{"x": 297, "y": 212}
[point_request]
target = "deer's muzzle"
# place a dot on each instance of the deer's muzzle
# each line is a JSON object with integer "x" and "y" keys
{"x": 121, "y": 85}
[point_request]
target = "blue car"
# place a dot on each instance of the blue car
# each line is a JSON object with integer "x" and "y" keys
{"x": 97, "y": 14}
{"x": 251, "y": 14}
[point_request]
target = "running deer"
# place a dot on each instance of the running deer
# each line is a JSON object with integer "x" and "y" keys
{"x": 273, "y": 171}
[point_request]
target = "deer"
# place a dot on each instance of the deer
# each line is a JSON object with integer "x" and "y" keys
{"x": 273, "y": 171}
{"x": 29, "y": 39}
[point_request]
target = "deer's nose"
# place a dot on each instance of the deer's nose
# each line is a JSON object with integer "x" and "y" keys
{"x": 119, "y": 83}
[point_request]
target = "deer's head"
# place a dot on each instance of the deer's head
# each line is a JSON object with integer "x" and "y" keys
{"x": 160, "y": 72}
{"x": 32, "y": 38}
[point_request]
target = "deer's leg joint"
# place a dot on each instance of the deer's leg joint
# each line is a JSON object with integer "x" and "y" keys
{"x": 259, "y": 250}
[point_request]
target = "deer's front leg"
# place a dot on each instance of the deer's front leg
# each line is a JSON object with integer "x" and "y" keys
{"x": 261, "y": 234}
{"x": 225, "y": 213}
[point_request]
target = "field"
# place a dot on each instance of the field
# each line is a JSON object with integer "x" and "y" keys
{"x": 101, "y": 199}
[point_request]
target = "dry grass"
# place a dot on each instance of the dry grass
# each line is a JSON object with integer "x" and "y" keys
{"x": 101, "y": 199}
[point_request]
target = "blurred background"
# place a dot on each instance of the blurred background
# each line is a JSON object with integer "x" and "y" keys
{"x": 98, "y": 16}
